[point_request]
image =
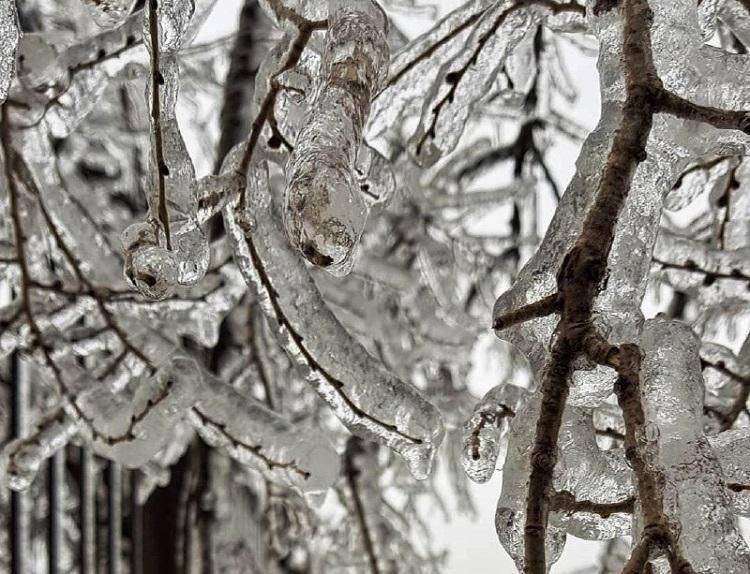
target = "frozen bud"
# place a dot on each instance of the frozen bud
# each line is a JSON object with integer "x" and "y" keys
{"x": 485, "y": 431}
{"x": 153, "y": 271}
{"x": 324, "y": 212}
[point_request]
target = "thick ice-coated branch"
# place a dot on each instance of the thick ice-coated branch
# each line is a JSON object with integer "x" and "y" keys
{"x": 362, "y": 395}
{"x": 584, "y": 266}
{"x": 585, "y": 263}
{"x": 324, "y": 213}
{"x": 678, "y": 474}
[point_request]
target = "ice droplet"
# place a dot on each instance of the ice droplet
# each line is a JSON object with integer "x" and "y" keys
{"x": 484, "y": 432}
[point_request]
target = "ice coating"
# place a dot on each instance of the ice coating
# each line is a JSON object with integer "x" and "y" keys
{"x": 418, "y": 64}
{"x": 293, "y": 454}
{"x": 510, "y": 514}
{"x": 484, "y": 433}
{"x": 366, "y": 398}
{"x": 588, "y": 473}
{"x": 672, "y": 395}
{"x": 324, "y": 212}
{"x": 9, "y": 36}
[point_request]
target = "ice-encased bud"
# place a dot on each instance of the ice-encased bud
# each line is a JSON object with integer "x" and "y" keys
{"x": 154, "y": 272}
{"x": 324, "y": 212}
{"x": 486, "y": 429}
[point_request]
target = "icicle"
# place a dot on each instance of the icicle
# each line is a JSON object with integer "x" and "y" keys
{"x": 484, "y": 434}
{"x": 324, "y": 213}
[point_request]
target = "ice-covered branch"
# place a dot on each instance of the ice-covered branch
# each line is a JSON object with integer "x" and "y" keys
{"x": 324, "y": 213}
{"x": 364, "y": 397}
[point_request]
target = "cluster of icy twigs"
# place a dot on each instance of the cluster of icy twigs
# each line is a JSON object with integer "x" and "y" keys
{"x": 335, "y": 216}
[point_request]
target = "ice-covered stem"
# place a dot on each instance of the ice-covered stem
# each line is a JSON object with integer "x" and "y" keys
{"x": 550, "y": 304}
{"x": 305, "y": 28}
{"x": 324, "y": 213}
{"x": 739, "y": 404}
{"x": 368, "y": 400}
{"x": 25, "y": 456}
{"x": 218, "y": 429}
{"x": 566, "y": 501}
{"x": 157, "y": 84}
{"x": 724, "y": 119}
{"x": 9, "y": 162}
{"x": 483, "y": 434}
{"x": 22, "y": 168}
{"x": 439, "y": 107}
{"x": 649, "y": 480}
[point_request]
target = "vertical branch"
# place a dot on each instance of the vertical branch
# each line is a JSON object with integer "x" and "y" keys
{"x": 19, "y": 504}
{"x": 238, "y": 83}
{"x": 88, "y": 512}
{"x": 355, "y": 447}
{"x": 157, "y": 81}
{"x": 136, "y": 527}
{"x": 584, "y": 266}
{"x": 114, "y": 516}
{"x": 56, "y": 487}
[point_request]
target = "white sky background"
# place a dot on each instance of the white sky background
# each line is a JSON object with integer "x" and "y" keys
{"x": 473, "y": 543}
